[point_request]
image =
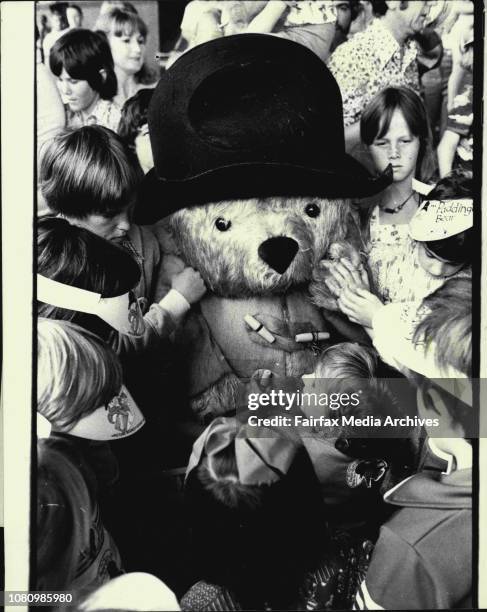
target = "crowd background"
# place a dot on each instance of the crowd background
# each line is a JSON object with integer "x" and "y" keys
{"x": 148, "y": 10}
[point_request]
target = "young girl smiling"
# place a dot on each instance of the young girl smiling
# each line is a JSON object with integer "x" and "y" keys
{"x": 127, "y": 35}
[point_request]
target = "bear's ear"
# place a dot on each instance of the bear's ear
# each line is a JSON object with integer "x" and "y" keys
{"x": 165, "y": 237}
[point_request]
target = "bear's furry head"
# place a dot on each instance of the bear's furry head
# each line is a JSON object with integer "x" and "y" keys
{"x": 258, "y": 246}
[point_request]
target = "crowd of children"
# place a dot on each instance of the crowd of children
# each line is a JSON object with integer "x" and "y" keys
{"x": 325, "y": 519}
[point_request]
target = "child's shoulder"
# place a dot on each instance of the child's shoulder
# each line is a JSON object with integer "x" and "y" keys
{"x": 152, "y": 237}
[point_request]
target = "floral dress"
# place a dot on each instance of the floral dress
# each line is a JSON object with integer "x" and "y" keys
{"x": 393, "y": 259}
{"x": 105, "y": 113}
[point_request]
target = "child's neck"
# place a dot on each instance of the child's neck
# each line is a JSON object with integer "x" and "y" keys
{"x": 126, "y": 83}
{"x": 396, "y": 192}
{"x": 86, "y": 112}
{"x": 395, "y": 195}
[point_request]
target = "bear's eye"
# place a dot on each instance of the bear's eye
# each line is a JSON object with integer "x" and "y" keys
{"x": 312, "y": 210}
{"x": 222, "y": 225}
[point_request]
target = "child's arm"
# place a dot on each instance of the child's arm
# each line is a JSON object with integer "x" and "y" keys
{"x": 164, "y": 317}
{"x": 360, "y": 306}
{"x": 350, "y": 285}
{"x": 446, "y": 152}
{"x": 187, "y": 287}
{"x": 265, "y": 21}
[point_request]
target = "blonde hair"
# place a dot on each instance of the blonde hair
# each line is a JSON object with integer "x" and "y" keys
{"x": 76, "y": 373}
{"x": 347, "y": 359}
{"x": 448, "y": 323}
{"x": 88, "y": 171}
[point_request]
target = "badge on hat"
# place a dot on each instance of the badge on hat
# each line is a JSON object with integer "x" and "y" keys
{"x": 440, "y": 219}
{"x": 120, "y": 418}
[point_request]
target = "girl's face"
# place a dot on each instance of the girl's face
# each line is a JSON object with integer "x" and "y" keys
{"x": 78, "y": 95}
{"x": 128, "y": 51}
{"x": 143, "y": 149}
{"x": 397, "y": 147}
{"x": 433, "y": 265}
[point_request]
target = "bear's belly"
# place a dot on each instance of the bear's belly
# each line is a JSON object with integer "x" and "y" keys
{"x": 284, "y": 316}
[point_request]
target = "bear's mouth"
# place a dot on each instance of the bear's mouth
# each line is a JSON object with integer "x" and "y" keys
{"x": 278, "y": 252}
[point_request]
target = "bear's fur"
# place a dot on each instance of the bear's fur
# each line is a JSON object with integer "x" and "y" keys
{"x": 229, "y": 261}
{"x": 240, "y": 281}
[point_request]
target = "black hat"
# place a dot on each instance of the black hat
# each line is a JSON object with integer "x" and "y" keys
{"x": 251, "y": 115}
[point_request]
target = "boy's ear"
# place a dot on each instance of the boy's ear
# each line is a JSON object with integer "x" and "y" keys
{"x": 103, "y": 74}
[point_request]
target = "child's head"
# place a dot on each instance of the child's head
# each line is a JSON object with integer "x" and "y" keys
{"x": 443, "y": 228}
{"x": 448, "y": 324}
{"x": 133, "y": 128}
{"x": 89, "y": 176}
{"x": 64, "y": 519}
{"x": 127, "y": 35}
{"x": 76, "y": 257}
{"x": 445, "y": 331}
{"x": 107, "y": 6}
{"x": 76, "y": 373}
{"x": 395, "y": 127}
{"x": 354, "y": 370}
{"x": 58, "y": 19}
{"x": 74, "y": 16}
{"x": 82, "y": 62}
{"x": 243, "y": 495}
{"x": 345, "y": 360}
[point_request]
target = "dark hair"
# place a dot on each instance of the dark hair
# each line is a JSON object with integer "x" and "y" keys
{"x": 59, "y": 9}
{"x": 379, "y": 7}
{"x": 83, "y": 54}
{"x": 377, "y": 116}
{"x": 88, "y": 171}
{"x": 355, "y": 8}
{"x": 64, "y": 515}
{"x": 75, "y": 256}
{"x": 449, "y": 324}
{"x": 76, "y": 7}
{"x": 122, "y": 22}
{"x": 134, "y": 115}
{"x": 457, "y": 184}
{"x": 242, "y": 538}
{"x": 457, "y": 249}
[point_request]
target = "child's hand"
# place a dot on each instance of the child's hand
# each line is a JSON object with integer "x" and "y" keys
{"x": 358, "y": 272}
{"x": 359, "y": 305}
{"x": 345, "y": 276}
{"x": 189, "y": 284}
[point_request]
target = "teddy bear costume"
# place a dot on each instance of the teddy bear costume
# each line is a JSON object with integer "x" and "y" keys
{"x": 248, "y": 145}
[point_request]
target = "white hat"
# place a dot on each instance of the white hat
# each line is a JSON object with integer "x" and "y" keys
{"x": 120, "y": 312}
{"x": 440, "y": 219}
{"x": 120, "y": 418}
{"x": 133, "y": 591}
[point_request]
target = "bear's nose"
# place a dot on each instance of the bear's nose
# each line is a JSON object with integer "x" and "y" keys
{"x": 278, "y": 252}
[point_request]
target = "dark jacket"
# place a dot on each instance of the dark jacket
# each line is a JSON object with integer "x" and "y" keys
{"x": 423, "y": 557}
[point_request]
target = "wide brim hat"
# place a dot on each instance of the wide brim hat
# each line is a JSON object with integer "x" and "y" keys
{"x": 244, "y": 116}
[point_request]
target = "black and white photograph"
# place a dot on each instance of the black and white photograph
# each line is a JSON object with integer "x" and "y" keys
{"x": 242, "y": 271}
